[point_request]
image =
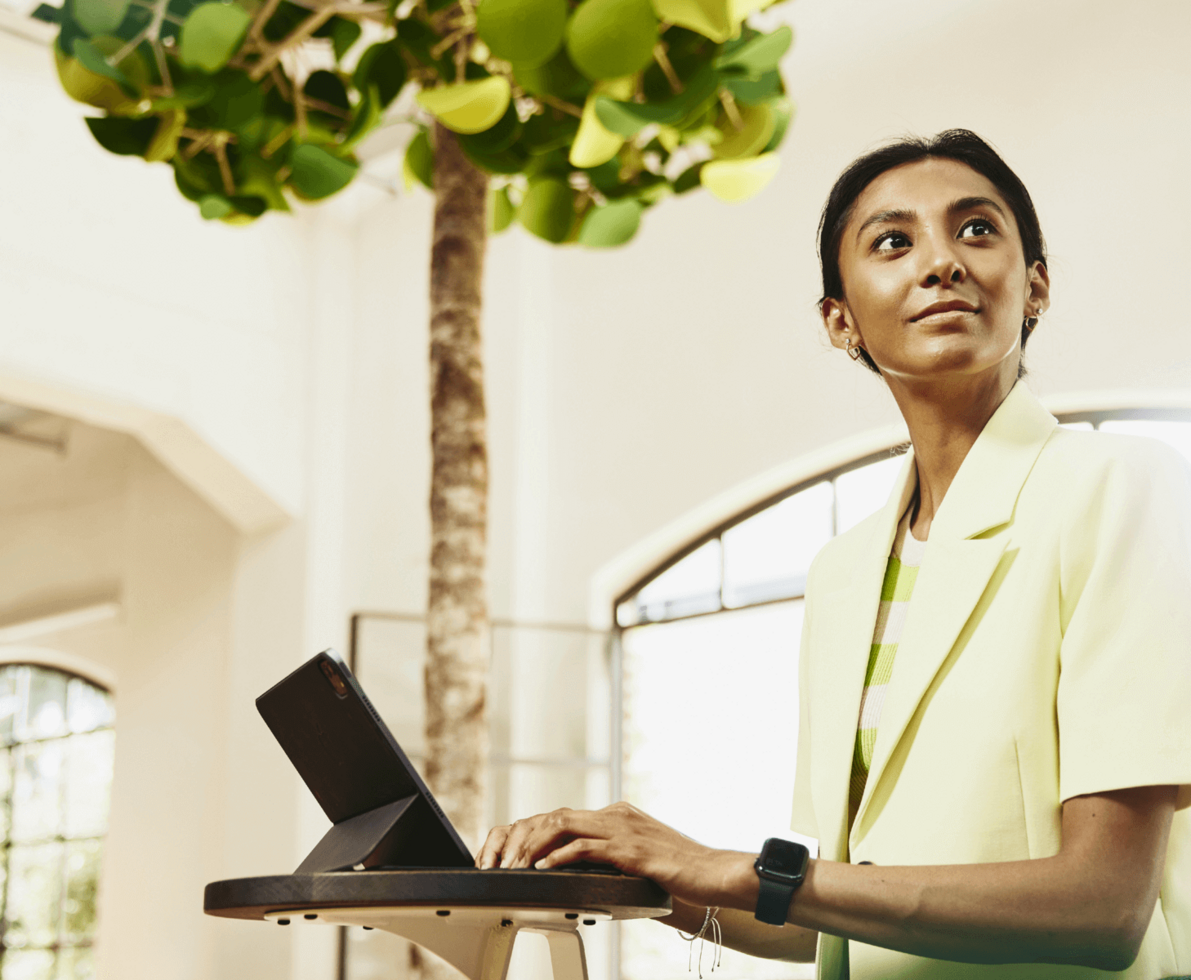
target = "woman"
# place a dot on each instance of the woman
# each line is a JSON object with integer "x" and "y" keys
{"x": 994, "y": 729}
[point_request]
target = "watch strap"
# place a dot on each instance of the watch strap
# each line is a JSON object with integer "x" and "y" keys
{"x": 773, "y": 902}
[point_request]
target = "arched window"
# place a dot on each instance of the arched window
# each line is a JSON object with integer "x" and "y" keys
{"x": 56, "y": 751}
{"x": 709, "y": 678}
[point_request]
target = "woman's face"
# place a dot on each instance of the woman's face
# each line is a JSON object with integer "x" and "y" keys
{"x": 935, "y": 282}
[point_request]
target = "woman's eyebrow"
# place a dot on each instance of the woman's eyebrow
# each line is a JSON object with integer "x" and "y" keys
{"x": 971, "y": 203}
{"x": 895, "y": 214}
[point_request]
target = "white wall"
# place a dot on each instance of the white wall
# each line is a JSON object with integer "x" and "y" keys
{"x": 122, "y": 306}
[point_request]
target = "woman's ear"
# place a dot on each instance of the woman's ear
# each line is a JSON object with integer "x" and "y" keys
{"x": 1038, "y": 293}
{"x": 835, "y": 320}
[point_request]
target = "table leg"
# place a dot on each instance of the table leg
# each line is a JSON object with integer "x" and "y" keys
{"x": 567, "y": 959}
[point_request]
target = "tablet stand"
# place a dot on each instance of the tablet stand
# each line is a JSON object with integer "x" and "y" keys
{"x": 367, "y": 839}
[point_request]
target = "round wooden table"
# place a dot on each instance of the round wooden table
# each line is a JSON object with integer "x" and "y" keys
{"x": 470, "y": 918}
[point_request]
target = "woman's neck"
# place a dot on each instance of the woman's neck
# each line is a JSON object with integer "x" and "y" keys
{"x": 944, "y": 422}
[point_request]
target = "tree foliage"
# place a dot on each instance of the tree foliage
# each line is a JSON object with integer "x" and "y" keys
{"x": 585, "y": 112}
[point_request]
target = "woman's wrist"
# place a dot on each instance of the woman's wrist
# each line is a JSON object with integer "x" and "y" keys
{"x": 737, "y": 887}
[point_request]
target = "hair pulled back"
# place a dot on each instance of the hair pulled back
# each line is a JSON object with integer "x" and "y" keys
{"x": 961, "y": 145}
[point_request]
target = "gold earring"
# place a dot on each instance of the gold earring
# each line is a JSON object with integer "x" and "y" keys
{"x": 853, "y": 352}
{"x": 1029, "y": 323}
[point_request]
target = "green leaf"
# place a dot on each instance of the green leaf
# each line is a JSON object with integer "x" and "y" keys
{"x": 420, "y": 40}
{"x": 85, "y": 86}
{"x": 528, "y": 32}
{"x": 545, "y": 132}
{"x": 501, "y": 210}
{"x": 186, "y": 96}
{"x": 285, "y": 21}
{"x": 468, "y": 107}
{"x": 196, "y": 177}
{"x": 612, "y": 38}
{"x": 317, "y": 174}
{"x": 509, "y": 161}
{"x": 237, "y": 100}
{"x": 128, "y": 137}
{"x": 258, "y": 178}
{"x": 759, "y": 55}
{"x": 688, "y": 180}
{"x": 629, "y": 118}
{"x": 212, "y": 206}
{"x": 327, "y": 87}
{"x": 249, "y": 205}
{"x": 211, "y": 35}
{"x": 100, "y": 16}
{"x": 753, "y": 91}
{"x": 500, "y": 136}
{"x": 738, "y": 180}
{"x": 548, "y": 209}
{"x": 366, "y": 116}
{"x": 714, "y": 19}
{"x": 90, "y": 58}
{"x": 783, "y": 113}
{"x": 381, "y": 65}
{"x": 759, "y": 122}
{"x": 594, "y": 144}
{"x": 611, "y": 225}
{"x": 344, "y": 33}
{"x": 606, "y": 177}
{"x": 557, "y": 77}
{"x": 164, "y": 144}
{"x": 419, "y": 162}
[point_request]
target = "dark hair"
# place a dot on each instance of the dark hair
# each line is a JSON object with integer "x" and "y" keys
{"x": 952, "y": 144}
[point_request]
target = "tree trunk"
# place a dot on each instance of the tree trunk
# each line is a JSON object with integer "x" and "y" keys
{"x": 457, "y": 615}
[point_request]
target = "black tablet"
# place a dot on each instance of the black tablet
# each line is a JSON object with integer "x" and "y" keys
{"x": 384, "y": 815}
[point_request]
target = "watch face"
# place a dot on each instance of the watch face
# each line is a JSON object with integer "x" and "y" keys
{"x": 783, "y": 857}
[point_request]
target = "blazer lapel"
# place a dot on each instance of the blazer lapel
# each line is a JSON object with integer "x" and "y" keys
{"x": 848, "y": 612}
{"x": 955, "y": 571}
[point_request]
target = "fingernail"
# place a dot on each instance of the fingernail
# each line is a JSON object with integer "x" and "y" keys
{"x": 540, "y": 864}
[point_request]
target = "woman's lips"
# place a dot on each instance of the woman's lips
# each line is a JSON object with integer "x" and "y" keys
{"x": 944, "y": 311}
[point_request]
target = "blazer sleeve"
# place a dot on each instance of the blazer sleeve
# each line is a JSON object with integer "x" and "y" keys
{"x": 802, "y": 819}
{"x": 1124, "y": 692}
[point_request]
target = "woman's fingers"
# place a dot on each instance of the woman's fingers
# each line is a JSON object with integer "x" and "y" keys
{"x": 489, "y": 856}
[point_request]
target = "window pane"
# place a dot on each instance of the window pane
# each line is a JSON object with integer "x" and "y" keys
{"x": 767, "y": 556}
{"x": 711, "y": 725}
{"x": 87, "y": 706}
{"x": 28, "y": 964}
{"x": 10, "y": 698}
{"x": 46, "y": 713}
{"x": 711, "y": 713}
{"x": 5, "y": 793}
{"x": 690, "y": 586}
{"x": 76, "y": 964}
{"x": 37, "y": 790}
{"x": 1175, "y": 434}
{"x": 82, "y": 886}
{"x": 862, "y": 492}
{"x": 88, "y": 782}
{"x": 34, "y": 896}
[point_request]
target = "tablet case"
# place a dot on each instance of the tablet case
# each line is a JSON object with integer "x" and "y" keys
{"x": 383, "y": 814}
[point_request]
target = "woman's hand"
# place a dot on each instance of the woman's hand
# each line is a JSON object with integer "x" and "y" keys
{"x": 634, "y": 842}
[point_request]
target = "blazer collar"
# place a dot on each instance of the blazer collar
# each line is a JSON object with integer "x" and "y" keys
{"x": 955, "y": 574}
{"x": 985, "y": 490}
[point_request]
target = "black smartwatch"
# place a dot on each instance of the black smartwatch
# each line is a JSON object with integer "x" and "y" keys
{"x": 781, "y": 867}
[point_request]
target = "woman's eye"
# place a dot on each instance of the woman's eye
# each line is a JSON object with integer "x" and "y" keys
{"x": 977, "y": 228}
{"x": 891, "y": 241}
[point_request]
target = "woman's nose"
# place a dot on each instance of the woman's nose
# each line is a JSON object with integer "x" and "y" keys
{"x": 941, "y": 264}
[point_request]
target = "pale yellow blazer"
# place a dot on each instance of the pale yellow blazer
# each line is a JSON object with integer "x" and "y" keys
{"x": 1046, "y": 654}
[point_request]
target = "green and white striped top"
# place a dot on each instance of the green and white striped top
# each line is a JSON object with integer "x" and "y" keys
{"x": 900, "y": 574}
